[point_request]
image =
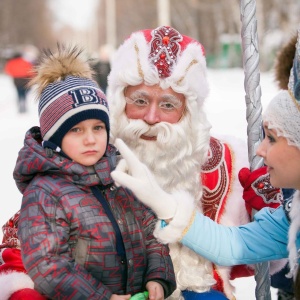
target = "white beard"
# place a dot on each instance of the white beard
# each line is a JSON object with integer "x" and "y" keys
{"x": 175, "y": 159}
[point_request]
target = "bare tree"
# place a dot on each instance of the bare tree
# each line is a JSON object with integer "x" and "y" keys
{"x": 25, "y": 22}
{"x": 210, "y": 21}
{"x": 215, "y": 23}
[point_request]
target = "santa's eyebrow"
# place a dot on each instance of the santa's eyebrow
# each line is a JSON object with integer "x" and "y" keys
{"x": 139, "y": 93}
{"x": 166, "y": 98}
{"x": 173, "y": 99}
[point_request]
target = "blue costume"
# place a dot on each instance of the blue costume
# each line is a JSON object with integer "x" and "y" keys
{"x": 264, "y": 239}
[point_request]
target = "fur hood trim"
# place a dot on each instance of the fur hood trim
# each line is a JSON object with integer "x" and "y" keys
{"x": 293, "y": 231}
{"x": 284, "y": 62}
{"x": 184, "y": 216}
{"x": 11, "y": 282}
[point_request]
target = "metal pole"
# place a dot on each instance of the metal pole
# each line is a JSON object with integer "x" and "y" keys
{"x": 111, "y": 36}
{"x": 253, "y": 116}
{"x": 163, "y": 12}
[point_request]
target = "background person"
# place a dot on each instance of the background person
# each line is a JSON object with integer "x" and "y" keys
{"x": 101, "y": 66}
{"x": 20, "y": 68}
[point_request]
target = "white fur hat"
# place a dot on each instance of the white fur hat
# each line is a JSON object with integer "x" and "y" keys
{"x": 161, "y": 56}
{"x": 283, "y": 112}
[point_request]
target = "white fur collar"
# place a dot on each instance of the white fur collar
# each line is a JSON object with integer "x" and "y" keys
{"x": 11, "y": 282}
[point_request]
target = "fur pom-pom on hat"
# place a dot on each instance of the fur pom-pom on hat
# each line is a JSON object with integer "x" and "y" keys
{"x": 56, "y": 66}
{"x": 67, "y": 94}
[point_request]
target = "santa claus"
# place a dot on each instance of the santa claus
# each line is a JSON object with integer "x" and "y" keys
{"x": 157, "y": 89}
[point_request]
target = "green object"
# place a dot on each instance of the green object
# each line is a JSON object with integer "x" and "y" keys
{"x": 140, "y": 296}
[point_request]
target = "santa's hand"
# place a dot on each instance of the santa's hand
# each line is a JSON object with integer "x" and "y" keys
{"x": 258, "y": 191}
{"x": 142, "y": 183}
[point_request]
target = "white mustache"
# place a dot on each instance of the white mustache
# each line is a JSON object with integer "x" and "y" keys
{"x": 137, "y": 128}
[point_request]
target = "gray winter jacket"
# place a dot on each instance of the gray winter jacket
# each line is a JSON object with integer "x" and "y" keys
{"x": 69, "y": 244}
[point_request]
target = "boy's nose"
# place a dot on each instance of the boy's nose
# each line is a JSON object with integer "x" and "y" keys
{"x": 89, "y": 137}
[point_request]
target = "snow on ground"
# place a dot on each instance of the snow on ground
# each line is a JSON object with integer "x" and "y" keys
{"x": 225, "y": 107}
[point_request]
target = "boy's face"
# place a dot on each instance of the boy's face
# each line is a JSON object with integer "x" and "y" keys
{"x": 86, "y": 142}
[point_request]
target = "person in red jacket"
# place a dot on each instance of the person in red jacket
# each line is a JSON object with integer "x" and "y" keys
{"x": 20, "y": 68}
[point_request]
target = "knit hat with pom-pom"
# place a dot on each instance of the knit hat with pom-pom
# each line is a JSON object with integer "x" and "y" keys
{"x": 67, "y": 93}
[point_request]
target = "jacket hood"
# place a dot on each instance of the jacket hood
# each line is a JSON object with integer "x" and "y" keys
{"x": 34, "y": 160}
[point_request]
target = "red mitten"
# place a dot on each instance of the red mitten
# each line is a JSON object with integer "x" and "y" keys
{"x": 10, "y": 260}
{"x": 26, "y": 294}
{"x": 258, "y": 191}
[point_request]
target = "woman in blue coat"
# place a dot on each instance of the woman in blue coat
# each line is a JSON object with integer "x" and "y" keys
{"x": 274, "y": 233}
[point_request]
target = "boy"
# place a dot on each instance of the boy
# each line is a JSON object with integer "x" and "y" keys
{"x": 81, "y": 236}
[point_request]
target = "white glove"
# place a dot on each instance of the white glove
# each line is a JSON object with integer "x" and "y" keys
{"x": 142, "y": 183}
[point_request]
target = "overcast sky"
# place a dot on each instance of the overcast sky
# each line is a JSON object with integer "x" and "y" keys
{"x": 76, "y": 13}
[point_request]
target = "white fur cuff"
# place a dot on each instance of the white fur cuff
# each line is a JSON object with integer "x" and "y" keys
{"x": 184, "y": 214}
{"x": 11, "y": 282}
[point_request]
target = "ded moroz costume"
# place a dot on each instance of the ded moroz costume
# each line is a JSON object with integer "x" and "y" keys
{"x": 274, "y": 232}
{"x": 184, "y": 156}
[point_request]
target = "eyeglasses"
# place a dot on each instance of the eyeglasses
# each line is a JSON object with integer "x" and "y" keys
{"x": 170, "y": 104}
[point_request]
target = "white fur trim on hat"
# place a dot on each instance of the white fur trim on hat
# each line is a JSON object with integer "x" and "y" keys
{"x": 184, "y": 216}
{"x": 131, "y": 66}
{"x": 11, "y": 282}
{"x": 283, "y": 115}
